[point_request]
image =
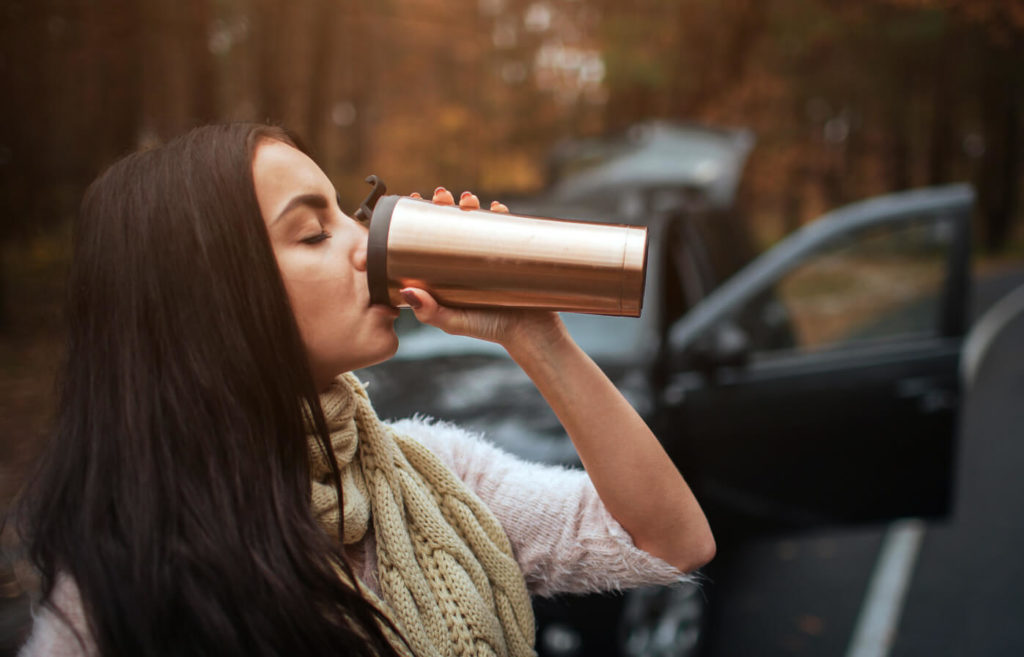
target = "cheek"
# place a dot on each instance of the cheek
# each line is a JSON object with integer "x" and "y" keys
{"x": 322, "y": 309}
{"x": 332, "y": 315}
{"x": 317, "y": 284}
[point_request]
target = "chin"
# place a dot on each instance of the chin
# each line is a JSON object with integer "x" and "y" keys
{"x": 375, "y": 356}
{"x": 387, "y": 354}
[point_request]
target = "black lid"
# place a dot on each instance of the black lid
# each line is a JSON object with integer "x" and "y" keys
{"x": 377, "y": 249}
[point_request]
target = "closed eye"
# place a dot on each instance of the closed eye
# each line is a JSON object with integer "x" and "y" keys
{"x": 316, "y": 239}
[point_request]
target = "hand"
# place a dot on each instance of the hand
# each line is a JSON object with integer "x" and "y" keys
{"x": 507, "y": 327}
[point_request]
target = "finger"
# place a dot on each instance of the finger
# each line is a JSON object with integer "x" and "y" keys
{"x": 499, "y": 207}
{"x": 415, "y": 195}
{"x": 425, "y": 307}
{"x": 410, "y": 297}
{"x": 443, "y": 197}
{"x": 469, "y": 201}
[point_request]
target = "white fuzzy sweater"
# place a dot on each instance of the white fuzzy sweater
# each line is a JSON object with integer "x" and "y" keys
{"x": 563, "y": 538}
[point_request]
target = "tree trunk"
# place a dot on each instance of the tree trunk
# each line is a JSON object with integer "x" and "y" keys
{"x": 942, "y": 133}
{"x": 178, "y": 73}
{"x": 1000, "y": 165}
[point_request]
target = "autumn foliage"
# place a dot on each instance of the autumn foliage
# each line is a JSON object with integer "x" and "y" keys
{"x": 847, "y": 98}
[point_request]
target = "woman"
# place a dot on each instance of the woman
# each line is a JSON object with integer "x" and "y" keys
{"x": 219, "y": 485}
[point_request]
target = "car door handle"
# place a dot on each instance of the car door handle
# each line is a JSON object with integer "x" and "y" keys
{"x": 931, "y": 396}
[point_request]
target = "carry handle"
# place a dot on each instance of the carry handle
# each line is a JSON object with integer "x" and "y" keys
{"x": 365, "y": 211}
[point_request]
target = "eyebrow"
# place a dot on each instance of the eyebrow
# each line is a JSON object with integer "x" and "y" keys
{"x": 315, "y": 201}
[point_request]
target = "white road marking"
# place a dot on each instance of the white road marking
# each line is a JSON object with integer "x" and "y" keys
{"x": 880, "y": 614}
{"x": 985, "y": 331}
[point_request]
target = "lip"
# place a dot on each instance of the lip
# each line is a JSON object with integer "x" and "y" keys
{"x": 383, "y": 308}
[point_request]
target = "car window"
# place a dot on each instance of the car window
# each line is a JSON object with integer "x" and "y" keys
{"x": 881, "y": 284}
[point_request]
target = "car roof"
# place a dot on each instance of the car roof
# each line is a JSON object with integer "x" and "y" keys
{"x": 653, "y": 155}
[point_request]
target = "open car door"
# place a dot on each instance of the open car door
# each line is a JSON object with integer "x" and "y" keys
{"x": 820, "y": 385}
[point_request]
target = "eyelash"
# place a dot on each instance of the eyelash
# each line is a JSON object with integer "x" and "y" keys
{"x": 316, "y": 239}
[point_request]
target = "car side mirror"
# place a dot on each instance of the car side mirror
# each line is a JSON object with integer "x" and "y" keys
{"x": 726, "y": 345}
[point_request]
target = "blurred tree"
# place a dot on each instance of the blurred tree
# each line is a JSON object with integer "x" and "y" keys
{"x": 1000, "y": 61}
{"x": 848, "y": 98}
{"x": 987, "y": 35}
{"x": 72, "y": 74}
{"x": 177, "y": 67}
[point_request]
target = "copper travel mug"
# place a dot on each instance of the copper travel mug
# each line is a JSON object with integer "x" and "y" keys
{"x": 476, "y": 258}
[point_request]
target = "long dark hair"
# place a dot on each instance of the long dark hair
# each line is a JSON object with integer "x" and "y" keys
{"x": 175, "y": 490}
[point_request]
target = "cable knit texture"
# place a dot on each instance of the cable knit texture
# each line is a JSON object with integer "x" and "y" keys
{"x": 444, "y": 564}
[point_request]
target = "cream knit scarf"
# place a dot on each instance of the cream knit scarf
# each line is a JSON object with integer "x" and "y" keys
{"x": 445, "y": 566}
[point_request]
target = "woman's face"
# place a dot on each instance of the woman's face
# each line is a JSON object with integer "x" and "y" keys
{"x": 321, "y": 253}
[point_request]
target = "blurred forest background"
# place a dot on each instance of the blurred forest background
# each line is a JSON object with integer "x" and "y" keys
{"x": 847, "y": 98}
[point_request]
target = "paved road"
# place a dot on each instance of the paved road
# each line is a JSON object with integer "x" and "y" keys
{"x": 967, "y": 596}
{"x": 810, "y": 594}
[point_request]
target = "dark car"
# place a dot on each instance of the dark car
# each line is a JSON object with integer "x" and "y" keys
{"x": 816, "y": 386}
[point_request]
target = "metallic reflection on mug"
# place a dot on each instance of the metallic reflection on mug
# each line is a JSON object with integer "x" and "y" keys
{"x": 476, "y": 258}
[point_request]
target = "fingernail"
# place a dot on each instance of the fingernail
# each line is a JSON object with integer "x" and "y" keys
{"x": 411, "y": 299}
{"x": 464, "y": 195}
{"x": 438, "y": 190}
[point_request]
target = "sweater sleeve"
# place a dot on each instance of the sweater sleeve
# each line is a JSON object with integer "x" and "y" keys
{"x": 564, "y": 539}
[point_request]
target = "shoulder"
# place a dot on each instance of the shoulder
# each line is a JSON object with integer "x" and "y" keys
{"x": 429, "y": 431}
{"x": 478, "y": 462}
{"x": 503, "y": 480}
{"x": 59, "y": 625}
{"x": 459, "y": 449}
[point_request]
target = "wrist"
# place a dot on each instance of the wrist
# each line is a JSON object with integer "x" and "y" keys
{"x": 537, "y": 335}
